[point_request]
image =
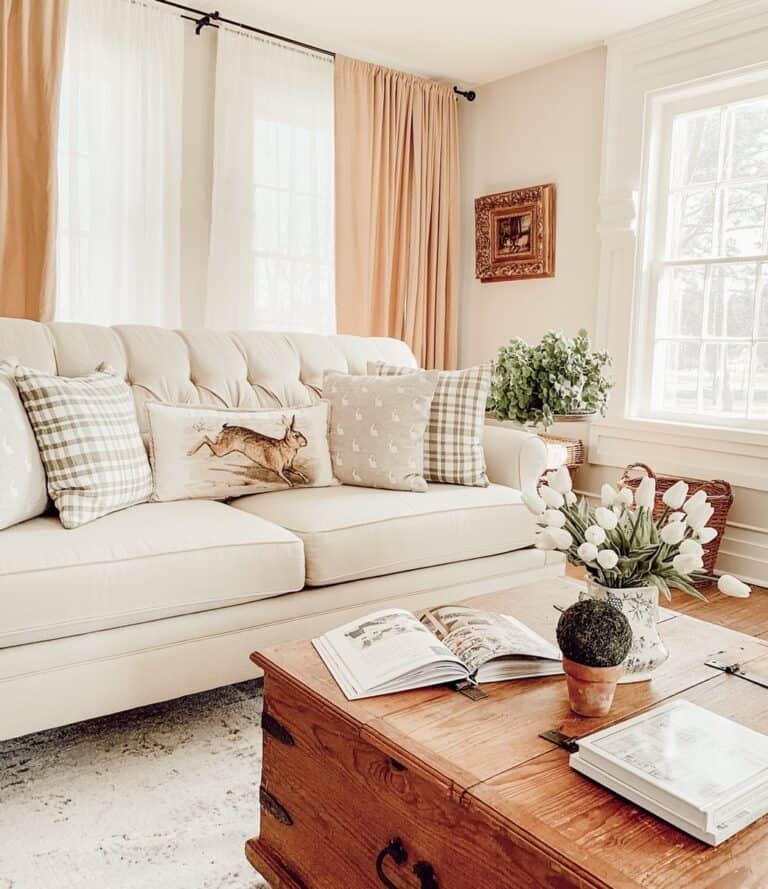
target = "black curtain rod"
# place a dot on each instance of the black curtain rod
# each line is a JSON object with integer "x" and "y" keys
{"x": 209, "y": 19}
{"x": 204, "y": 19}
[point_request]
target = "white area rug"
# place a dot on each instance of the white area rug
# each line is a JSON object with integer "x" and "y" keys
{"x": 164, "y": 796}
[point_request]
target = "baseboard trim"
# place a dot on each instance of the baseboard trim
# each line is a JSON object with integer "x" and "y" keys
{"x": 744, "y": 552}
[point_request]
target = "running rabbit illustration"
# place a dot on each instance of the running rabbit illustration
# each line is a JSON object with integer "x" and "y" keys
{"x": 274, "y": 454}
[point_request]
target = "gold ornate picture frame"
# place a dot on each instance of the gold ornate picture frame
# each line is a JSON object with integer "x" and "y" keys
{"x": 515, "y": 234}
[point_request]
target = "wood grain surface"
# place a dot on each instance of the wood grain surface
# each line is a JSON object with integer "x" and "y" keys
{"x": 471, "y": 788}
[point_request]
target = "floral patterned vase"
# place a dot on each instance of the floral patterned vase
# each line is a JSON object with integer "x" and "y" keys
{"x": 640, "y": 606}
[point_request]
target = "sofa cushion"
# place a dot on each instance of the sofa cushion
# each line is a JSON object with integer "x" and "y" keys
{"x": 22, "y": 477}
{"x": 89, "y": 442}
{"x": 352, "y": 532}
{"x": 377, "y": 428}
{"x": 453, "y": 444}
{"x": 149, "y": 561}
{"x": 216, "y": 453}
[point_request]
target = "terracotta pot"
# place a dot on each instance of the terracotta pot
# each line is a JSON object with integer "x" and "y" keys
{"x": 591, "y": 689}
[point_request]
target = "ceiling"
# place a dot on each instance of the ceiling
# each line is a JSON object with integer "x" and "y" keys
{"x": 470, "y": 42}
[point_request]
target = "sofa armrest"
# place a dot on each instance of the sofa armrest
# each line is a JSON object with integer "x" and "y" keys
{"x": 514, "y": 457}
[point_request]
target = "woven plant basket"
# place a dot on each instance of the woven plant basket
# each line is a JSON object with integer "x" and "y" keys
{"x": 574, "y": 449}
{"x": 719, "y": 496}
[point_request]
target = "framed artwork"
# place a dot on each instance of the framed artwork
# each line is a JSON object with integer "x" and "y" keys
{"x": 515, "y": 234}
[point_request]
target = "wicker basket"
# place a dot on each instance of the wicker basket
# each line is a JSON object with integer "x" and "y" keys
{"x": 574, "y": 449}
{"x": 719, "y": 497}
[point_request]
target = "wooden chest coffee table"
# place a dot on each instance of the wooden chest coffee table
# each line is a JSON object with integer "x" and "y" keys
{"x": 433, "y": 789}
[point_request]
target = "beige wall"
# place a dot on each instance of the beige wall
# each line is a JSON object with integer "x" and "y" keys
{"x": 545, "y": 125}
{"x": 542, "y": 125}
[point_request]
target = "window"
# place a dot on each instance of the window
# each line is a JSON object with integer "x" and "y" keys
{"x": 293, "y": 222}
{"x": 706, "y": 318}
{"x": 120, "y": 238}
{"x": 119, "y": 161}
{"x": 271, "y": 261}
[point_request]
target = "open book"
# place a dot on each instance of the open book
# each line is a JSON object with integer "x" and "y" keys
{"x": 392, "y": 650}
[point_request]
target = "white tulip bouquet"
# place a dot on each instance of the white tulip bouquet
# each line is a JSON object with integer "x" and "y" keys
{"x": 620, "y": 543}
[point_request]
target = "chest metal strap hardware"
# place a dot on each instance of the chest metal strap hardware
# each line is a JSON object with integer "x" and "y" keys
{"x": 735, "y": 670}
{"x": 561, "y": 740}
{"x": 272, "y": 727}
{"x": 275, "y": 809}
{"x": 470, "y": 690}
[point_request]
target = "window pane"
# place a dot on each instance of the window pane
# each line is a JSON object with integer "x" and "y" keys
{"x": 695, "y": 147}
{"x": 691, "y": 224}
{"x": 762, "y": 296}
{"x": 750, "y": 140}
{"x": 732, "y": 300}
{"x": 725, "y": 378}
{"x": 267, "y": 226}
{"x": 759, "y": 407}
{"x": 676, "y": 376}
{"x": 681, "y": 304}
{"x": 266, "y": 153}
{"x": 303, "y": 172}
{"x": 743, "y": 220}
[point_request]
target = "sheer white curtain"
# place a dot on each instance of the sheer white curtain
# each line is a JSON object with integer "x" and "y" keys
{"x": 119, "y": 164}
{"x": 271, "y": 248}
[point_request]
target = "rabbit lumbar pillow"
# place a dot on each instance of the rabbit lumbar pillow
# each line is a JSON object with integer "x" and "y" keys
{"x": 202, "y": 452}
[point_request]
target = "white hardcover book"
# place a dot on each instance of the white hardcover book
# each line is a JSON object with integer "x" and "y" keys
{"x": 731, "y": 823}
{"x": 700, "y": 766}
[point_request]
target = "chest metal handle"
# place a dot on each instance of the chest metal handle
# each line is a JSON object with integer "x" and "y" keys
{"x": 426, "y": 874}
{"x": 396, "y": 851}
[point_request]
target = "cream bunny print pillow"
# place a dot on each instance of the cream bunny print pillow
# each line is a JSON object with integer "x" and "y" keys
{"x": 377, "y": 428}
{"x": 204, "y": 452}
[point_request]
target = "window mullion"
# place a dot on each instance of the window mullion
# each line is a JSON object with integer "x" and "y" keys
{"x": 755, "y": 335}
{"x": 723, "y": 149}
{"x": 765, "y": 225}
{"x": 716, "y": 260}
{"x": 703, "y": 334}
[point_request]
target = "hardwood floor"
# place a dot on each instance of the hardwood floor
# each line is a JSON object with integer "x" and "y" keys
{"x": 745, "y": 615}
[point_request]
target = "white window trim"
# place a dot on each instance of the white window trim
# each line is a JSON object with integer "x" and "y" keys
{"x": 652, "y": 220}
{"x": 647, "y": 69}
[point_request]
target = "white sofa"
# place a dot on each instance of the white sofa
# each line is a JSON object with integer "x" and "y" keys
{"x": 165, "y": 599}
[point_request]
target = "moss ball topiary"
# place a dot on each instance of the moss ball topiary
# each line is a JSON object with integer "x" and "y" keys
{"x": 594, "y": 633}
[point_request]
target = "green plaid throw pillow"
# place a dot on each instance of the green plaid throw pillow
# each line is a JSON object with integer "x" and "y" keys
{"x": 89, "y": 442}
{"x": 453, "y": 444}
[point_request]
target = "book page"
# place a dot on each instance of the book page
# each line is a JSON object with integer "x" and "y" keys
{"x": 477, "y": 637}
{"x": 380, "y": 647}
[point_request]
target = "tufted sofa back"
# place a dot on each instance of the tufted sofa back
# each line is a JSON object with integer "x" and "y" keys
{"x": 245, "y": 369}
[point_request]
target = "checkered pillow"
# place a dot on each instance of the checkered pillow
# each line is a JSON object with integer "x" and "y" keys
{"x": 453, "y": 444}
{"x": 89, "y": 442}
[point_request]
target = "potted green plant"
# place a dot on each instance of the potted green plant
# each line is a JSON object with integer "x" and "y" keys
{"x": 594, "y": 638}
{"x": 559, "y": 378}
{"x": 629, "y": 556}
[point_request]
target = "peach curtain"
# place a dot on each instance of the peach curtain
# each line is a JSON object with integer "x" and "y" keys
{"x": 31, "y": 49}
{"x": 397, "y": 209}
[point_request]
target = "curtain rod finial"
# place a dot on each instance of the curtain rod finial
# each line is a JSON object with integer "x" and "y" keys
{"x": 469, "y": 95}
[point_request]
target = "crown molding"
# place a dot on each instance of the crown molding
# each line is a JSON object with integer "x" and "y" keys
{"x": 698, "y": 21}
